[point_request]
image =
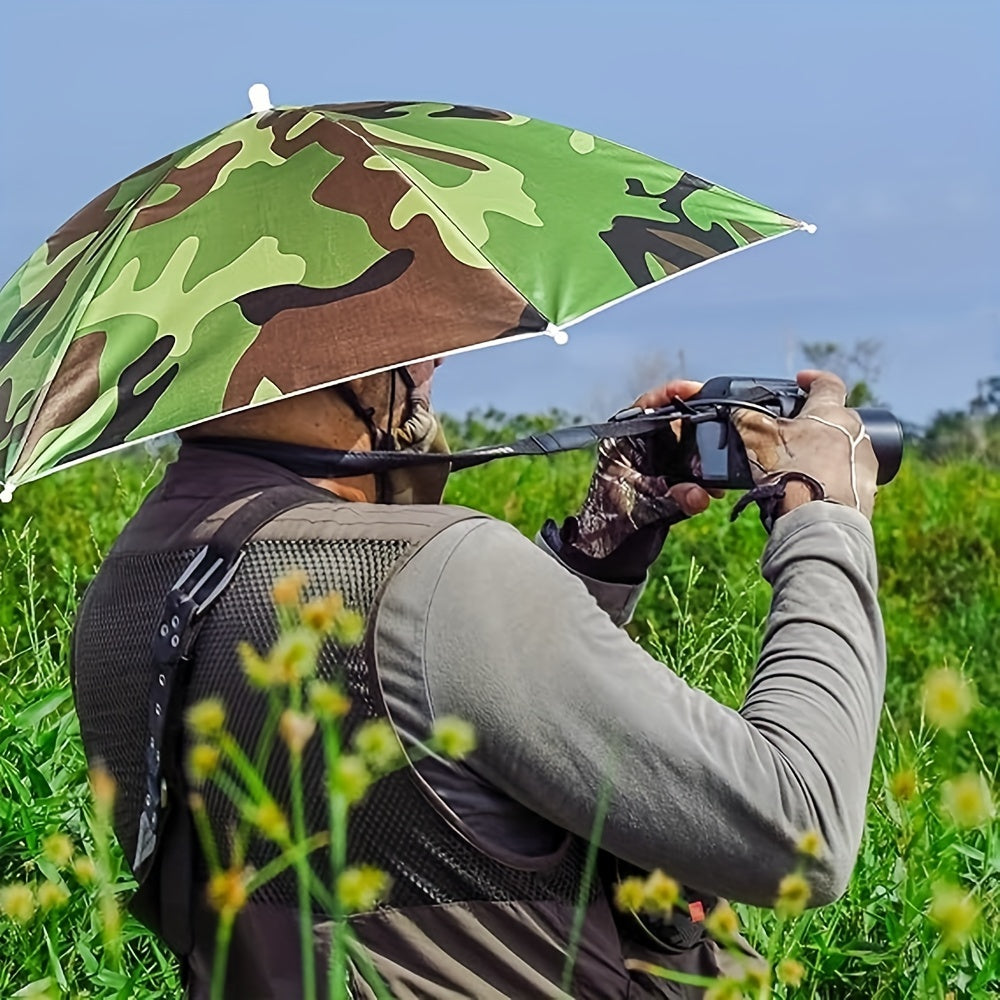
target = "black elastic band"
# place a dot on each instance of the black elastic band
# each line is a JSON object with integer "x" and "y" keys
{"x": 769, "y": 494}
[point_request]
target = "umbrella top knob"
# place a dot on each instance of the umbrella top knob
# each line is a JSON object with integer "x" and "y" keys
{"x": 260, "y": 98}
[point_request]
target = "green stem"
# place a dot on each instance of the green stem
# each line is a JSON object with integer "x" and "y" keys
{"x": 366, "y": 967}
{"x": 687, "y": 978}
{"x": 204, "y": 830}
{"x": 223, "y": 935}
{"x": 265, "y": 742}
{"x": 244, "y": 768}
{"x": 580, "y": 911}
{"x": 337, "y": 964}
{"x": 302, "y": 867}
{"x": 291, "y": 856}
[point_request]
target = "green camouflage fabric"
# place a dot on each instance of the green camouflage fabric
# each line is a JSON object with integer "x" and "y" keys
{"x": 300, "y": 246}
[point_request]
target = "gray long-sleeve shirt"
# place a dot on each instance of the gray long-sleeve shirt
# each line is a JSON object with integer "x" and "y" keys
{"x": 483, "y": 624}
{"x": 567, "y": 708}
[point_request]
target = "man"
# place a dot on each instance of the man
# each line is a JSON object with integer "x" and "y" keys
{"x": 578, "y": 729}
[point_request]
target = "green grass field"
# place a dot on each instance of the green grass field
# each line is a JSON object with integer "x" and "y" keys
{"x": 938, "y": 532}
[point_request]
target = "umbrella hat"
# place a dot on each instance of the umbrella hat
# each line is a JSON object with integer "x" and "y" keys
{"x": 301, "y": 246}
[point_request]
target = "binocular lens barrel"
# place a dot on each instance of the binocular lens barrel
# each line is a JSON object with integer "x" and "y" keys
{"x": 886, "y": 433}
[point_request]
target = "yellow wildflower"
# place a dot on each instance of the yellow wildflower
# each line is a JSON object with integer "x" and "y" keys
{"x": 293, "y": 656}
{"x": 790, "y": 972}
{"x": 349, "y": 628}
{"x": 321, "y": 615}
{"x": 52, "y": 896}
{"x": 111, "y": 918}
{"x": 660, "y": 893}
{"x": 203, "y": 762}
{"x": 206, "y": 718}
{"x": 722, "y": 923}
{"x": 757, "y": 977}
{"x": 955, "y": 912}
{"x": 227, "y": 891}
{"x": 967, "y": 800}
{"x": 630, "y": 894}
{"x": 296, "y": 730}
{"x": 948, "y": 698}
{"x": 271, "y": 821}
{"x": 793, "y": 894}
{"x": 453, "y": 737}
{"x": 259, "y": 671}
{"x": 377, "y": 743}
{"x": 811, "y": 844}
{"x": 17, "y": 902}
{"x": 904, "y": 784}
{"x": 725, "y": 989}
{"x": 287, "y": 589}
{"x": 58, "y": 849}
{"x": 103, "y": 789}
{"x": 84, "y": 869}
{"x": 360, "y": 889}
{"x": 350, "y": 777}
{"x": 328, "y": 701}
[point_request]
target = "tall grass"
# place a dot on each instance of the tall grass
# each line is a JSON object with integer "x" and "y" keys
{"x": 938, "y": 534}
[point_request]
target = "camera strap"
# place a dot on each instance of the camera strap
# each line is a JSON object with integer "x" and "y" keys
{"x": 331, "y": 463}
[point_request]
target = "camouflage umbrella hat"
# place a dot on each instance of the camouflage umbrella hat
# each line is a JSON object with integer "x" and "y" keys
{"x": 300, "y": 246}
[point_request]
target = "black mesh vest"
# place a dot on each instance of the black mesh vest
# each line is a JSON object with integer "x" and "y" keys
{"x": 397, "y": 827}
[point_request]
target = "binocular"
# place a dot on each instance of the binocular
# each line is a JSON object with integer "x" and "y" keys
{"x": 711, "y": 451}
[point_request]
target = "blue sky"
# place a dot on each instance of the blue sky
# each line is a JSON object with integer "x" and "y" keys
{"x": 877, "y": 121}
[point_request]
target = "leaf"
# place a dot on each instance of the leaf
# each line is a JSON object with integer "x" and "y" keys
{"x": 54, "y": 962}
{"x": 29, "y": 717}
{"x": 35, "y": 988}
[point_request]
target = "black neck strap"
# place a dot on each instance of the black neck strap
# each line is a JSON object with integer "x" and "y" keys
{"x": 330, "y": 463}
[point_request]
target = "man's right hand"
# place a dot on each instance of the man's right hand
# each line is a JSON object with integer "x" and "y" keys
{"x": 825, "y": 441}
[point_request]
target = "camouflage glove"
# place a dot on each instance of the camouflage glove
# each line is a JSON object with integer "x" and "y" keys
{"x": 625, "y": 496}
{"x": 823, "y": 453}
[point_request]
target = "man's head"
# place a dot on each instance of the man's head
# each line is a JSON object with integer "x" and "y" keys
{"x": 387, "y": 411}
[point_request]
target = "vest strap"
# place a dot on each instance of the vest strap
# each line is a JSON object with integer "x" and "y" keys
{"x": 164, "y": 897}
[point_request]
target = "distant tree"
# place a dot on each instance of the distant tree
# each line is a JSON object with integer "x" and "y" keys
{"x": 972, "y": 433}
{"x": 859, "y": 366}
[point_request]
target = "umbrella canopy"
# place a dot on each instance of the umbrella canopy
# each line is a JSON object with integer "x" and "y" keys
{"x": 300, "y": 246}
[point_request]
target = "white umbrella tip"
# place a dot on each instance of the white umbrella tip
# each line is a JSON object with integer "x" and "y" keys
{"x": 260, "y": 98}
{"x": 808, "y": 227}
{"x": 7, "y": 493}
{"x": 559, "y": 336}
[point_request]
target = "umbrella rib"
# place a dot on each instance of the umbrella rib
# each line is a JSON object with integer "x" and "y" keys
{"x": 801, "y": 227}
{"x": 120, "y": 230}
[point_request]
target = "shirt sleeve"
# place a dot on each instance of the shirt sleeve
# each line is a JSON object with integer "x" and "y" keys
{"x": 618, "y": 600}
{"x": 570, "y": 713}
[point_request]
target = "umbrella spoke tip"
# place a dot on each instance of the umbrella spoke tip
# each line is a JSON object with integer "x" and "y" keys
{"x": 809, "y": 227}
{"x": 7, "y": 493}
{"x": 260, "y": 98}
{"x": 559, "y": 336}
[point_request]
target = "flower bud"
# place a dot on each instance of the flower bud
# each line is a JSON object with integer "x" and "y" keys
{"x": 296, "y": 730}
{"x": 206, "y": 718}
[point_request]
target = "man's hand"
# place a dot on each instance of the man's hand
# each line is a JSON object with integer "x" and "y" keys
{"x": 825, "y": 442}
{"x": 628, "y": 493}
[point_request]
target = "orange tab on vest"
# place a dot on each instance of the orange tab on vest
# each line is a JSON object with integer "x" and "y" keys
{"x": 696, "y": 910}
